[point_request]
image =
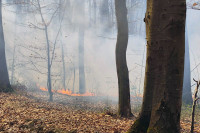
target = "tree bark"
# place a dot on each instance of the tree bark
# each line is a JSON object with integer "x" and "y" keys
{"x": 165, "y": 31}
{"x": 187, "y": 92}
{"x": 165, "y": 22}
{"x": 48, "y": 66}
{"x": 13, "y": 67}
{"x": 81, "y": 62}
{"x": 82, "y": 88}
{"x": 121, "y": 64}
{"x": 4, "y": 78}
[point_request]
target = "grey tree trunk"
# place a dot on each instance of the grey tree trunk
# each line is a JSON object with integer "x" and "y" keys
{"x": 4, "y": 78}
{"x": 95, "y": 12}
{"x": 13, "y": 66}
{"x": 62, "y": 10}
{"x": 82, "y": 89}
{"x": 121, "y": 64}
{"x": 74, "y": 79}
{"x": 187, "y": 93}
{"x": 104, "y": 15}
{"x": 82, "y": 85}
{"x": 63, "y": 63}
{"x": 49, "y": 84}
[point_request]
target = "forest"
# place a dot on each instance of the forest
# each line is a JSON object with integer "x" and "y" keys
{"x": 99, "y": 66}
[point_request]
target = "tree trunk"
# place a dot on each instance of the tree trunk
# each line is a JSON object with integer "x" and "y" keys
{"x": 165, "y": 30}
{"x": 95, "y": 12}
{"x": 81, "y": 62}
{"x": 82, "y": 88}
{"x": 187, "y": 93}
{"x": 63, "y": 63}
{"x": 62, "y": 10}
{"x": 48, "y": 66}
{"x": 49, "y": 85}
{"x": 13, "y": 66}
{"x": 142, "y": 123}
{"x": 104, "y": 15}
{"x": 121, "y": 64}
{"x": 74, "y": 79}
{"x": 165, "y": 22}
{"x": 4, "y": 78}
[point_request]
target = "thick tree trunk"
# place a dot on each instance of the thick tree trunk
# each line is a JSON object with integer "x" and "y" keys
{"x": 142, "y": 123}
{"x": 121, "y": 64}
{"x": 187, "y": 93}
{"x": 4, "y": 78}
{"x": 165, "y": 30}
{"x": 166, "y": 46}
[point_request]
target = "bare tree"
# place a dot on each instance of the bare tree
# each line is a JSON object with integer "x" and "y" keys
{"x": 122, "y": 69}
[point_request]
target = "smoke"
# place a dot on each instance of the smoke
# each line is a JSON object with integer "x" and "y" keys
{"x": 193, "y": 18}
{"x": 100, "y": 67}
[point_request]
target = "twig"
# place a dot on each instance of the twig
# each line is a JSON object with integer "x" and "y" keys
{"x": 194, "y": 104}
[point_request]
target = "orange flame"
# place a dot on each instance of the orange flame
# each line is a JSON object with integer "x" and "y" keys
{"x": 43, "y": 89}
{"x": 68, "y": 92}
{"x": 138, "y": 95}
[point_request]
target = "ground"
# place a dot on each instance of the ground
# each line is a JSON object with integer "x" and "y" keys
{"x": 22, "y": 112}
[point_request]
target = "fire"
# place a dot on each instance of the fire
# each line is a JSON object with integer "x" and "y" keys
{"x": 43, "y": 89}
{"x": 138, "y": 95}
{"x": 68, "y": 92}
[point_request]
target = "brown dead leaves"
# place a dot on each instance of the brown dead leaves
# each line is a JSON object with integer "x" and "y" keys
{"x": 21, "y": 114}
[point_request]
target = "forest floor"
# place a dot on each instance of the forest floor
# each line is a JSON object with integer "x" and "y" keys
{"x": 31, "y": 112}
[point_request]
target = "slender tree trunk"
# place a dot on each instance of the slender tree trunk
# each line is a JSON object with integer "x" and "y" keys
{"x": 121, "y": 64}
{"x": 74, "y": 79}
{"x": 95, "y": 12}
{"x": 63, "y": 63}
{"x": 194, "y": 105}
{"x": 104, "y": 15}
{"x": 187, "y": 92}
{"x": 62, "y": 10}
{"x": 82, "y": 89}
{"x": 166, "y": 46}
{"x": 82, "y": 85}
{"x": 49, "y": 84}
{"x": 4, "y": 78}
{"x": 13, "y": 66}
{"x": 112, "y": 8}
{"x": 48, "y": 66}
{"x": 90, "y": 13}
